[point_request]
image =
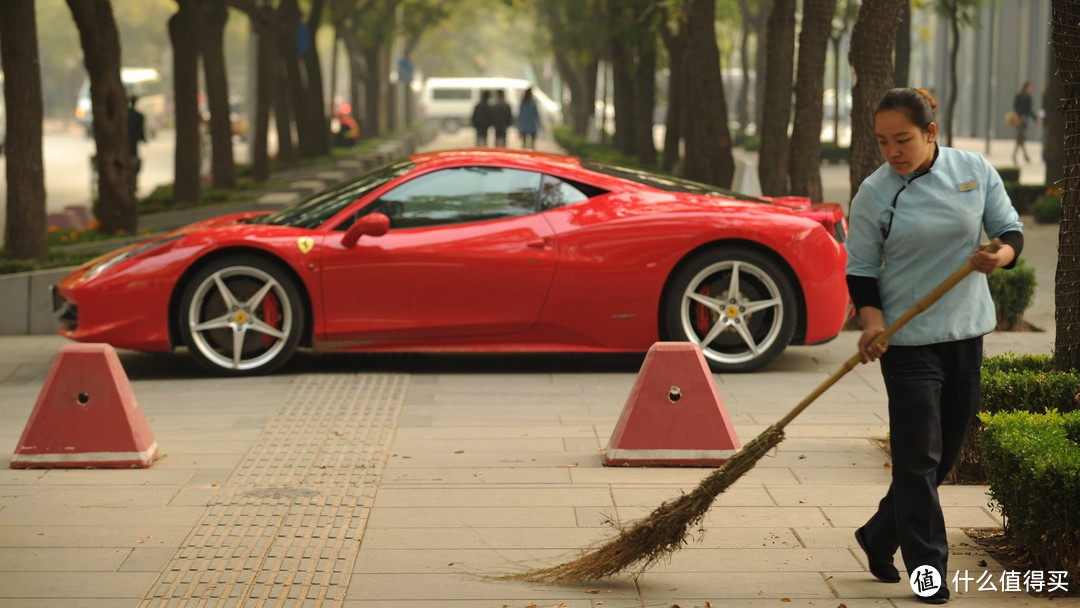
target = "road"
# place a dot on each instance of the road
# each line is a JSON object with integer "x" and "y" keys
{"x": 66, "y": 154}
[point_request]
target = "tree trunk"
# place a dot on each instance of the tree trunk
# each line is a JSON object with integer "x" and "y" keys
{"x": 708, "y": 144}
{"x": 183, "y": 32}
{"x": 1054, "y": 124}
{"x": 372, "y": 98}
{"x": 761, "y": 64}
{"x": 223, "y": 167}
{"x": 312, "y": 72}
{"x": 24, "y": 227}
{"x": 645, "y": 89}
{"x": 902, "y": 69}
{"x": 809, "y": 113}
{"x": 1064, "y": 30}
{"x": 675, "y": 42}
{"x": 871, "y": 59}
{"x": 265, "y": 25}
{"x": 954, "y": 80}
{"x": 776, "y": 115}
{"x": 622, "y": 64}
{"x": 115, "y": 207}
{"x": 582, "y": 95}
{"x": 742, "y": 108}
{"x": 753, "y": 23}
{"x": 307, "y": 129}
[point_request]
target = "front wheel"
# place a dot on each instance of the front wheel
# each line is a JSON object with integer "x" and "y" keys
{"x": 738, "y": 305}
{"x": 241, "y": 315}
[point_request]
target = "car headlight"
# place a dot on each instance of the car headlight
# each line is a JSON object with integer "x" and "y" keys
{"x": 104, "y": 265}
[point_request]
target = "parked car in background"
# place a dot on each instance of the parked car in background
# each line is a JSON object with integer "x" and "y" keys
{"x": 478, "y": 250}
{"x": 143, "y": 82}
{"x": 449, "y": 102}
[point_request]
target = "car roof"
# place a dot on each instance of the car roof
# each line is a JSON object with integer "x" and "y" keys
{"x": 527, "y": 159}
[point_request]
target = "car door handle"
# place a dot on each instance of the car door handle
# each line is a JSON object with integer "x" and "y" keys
{"x": 544, "y": 243}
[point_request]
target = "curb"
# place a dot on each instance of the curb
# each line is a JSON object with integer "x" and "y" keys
{"x": 26, "y": 308}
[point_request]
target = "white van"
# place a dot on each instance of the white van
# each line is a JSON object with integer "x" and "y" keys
{"x": 450, "y": 101}
{"x": 142, "y": 82}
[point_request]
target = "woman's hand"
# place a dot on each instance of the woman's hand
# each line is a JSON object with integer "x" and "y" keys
{"x": 873, "y": 322}
{"x": 986, "y": 262}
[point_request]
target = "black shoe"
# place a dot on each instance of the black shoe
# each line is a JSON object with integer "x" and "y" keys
{"x": 940, "y": 596}
{"x": 881, "y": 567}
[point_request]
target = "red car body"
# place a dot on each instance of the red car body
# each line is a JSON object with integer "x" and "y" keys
{"x": 588, "y": 276}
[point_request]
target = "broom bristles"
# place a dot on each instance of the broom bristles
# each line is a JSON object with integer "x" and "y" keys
{"x": 663, "y": 532}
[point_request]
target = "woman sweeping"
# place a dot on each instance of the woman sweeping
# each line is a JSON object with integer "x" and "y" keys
{"x": 912, "y": 222}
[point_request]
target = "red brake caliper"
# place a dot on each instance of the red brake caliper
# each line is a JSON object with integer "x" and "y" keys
{"x": 702, "y": 318}
{"x": 271, "y": 314}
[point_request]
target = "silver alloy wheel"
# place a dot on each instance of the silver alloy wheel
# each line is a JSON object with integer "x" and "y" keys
{"x": 734, "y": 310}
{"x": 240, "y": 318}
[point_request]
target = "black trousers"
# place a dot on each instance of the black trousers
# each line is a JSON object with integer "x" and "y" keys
{"x": 933, "y": 397}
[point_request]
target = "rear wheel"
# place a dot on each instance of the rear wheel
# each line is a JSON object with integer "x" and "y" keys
{"x": 738, "y": 305}
{"x": 241, "y": 315}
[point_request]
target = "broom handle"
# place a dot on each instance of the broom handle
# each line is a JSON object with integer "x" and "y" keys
{"x": 893, "y": 327}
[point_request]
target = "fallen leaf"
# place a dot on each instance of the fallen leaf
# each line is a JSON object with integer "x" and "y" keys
{"x": 339, "y": 433}
{"x": 593, "y": 591}
{"x": 459, "y": 451}
{"x": 982, "y": 563}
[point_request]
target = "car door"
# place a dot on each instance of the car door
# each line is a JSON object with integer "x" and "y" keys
{"x": 466, "y": 255}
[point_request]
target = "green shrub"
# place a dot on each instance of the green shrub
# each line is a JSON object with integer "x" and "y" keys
{"x": 1009, "y": 174}
{"x": 1023, "y": 196}
{"x": 1034, "y": 465}
{"x": 1047, "y": 209}
{"x": 1014, "y": 383}
{"x": 577, "y": 145}
{"x": 752, "y": 143}
{"x": 1012, "y": 292}
{"x": 833, "y": 153}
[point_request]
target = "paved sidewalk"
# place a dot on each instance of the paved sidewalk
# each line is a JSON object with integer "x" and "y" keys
{"x": 394, "y": 481}
{"x": 387, "y": 481}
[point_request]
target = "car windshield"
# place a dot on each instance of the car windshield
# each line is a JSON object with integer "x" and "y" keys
{"x": 314, "y": 211}
{"x": 665, "y": 182}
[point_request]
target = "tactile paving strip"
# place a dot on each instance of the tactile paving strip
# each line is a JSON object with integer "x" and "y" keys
{"x": 286, "y": 530}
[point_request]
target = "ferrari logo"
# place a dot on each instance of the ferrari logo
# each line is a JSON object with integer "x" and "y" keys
{"x": 305, "y": 243}
{"x": 732, "y": 312}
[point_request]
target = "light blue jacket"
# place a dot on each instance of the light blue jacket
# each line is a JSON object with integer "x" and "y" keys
{"x": 937, "y": 223}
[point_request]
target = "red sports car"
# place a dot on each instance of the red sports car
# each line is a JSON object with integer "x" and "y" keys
{"x": 478, "y": 251}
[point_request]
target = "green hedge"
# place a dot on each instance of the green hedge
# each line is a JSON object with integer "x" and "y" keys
{"x": 1012, "y": 292}
{"x": 1014, "y": 383}
{"x": 1034, "y": 465}
{"x": 1047, "y": 209}
{"x": 1023, "y": 196}
{"x": 1009, "y": 174}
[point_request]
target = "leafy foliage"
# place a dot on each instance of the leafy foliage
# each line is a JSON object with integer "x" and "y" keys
{"x": 1033, "y": 462}
{"x": 1012, "y": 292}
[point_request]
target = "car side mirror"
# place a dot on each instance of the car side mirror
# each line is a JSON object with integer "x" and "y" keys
{"x": 372, "y": 224}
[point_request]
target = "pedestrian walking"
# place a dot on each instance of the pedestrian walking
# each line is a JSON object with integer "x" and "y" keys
{"x": 528, "y": 120}
{"x": 481, "y": 118}
{"x": 136, "y": 134}
{"x": 1022, "y": 107}
{"x": 913, "y": 221}
{"x": 501, "y": 118}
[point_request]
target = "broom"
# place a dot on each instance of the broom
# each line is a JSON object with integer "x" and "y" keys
{"x": 665, "y": 530}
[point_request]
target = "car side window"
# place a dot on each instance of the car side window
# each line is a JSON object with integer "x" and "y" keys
{"x": 555, "y": 192}
{"x": 461, "y": 195}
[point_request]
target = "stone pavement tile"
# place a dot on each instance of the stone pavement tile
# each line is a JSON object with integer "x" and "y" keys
{"x": 53, "y": 602}
{"x": 92, "y": 496}
{"x": 848, "y": 475}
{"x": 51, "y": 513}
{"x": 867, "y": 456}
{"x": 665, "y": 585}
{"x": 675, "y": 477}
{"x": 148, "y": 559}
{"x": 49, "y": 535}
{"x": 816, "y": 537}
{"x": 827, "y": 495}
{"x": 959, "y": 517}
{"x": 65, "y": 559}
{"x": 721, "y": 516}
{"x": 479, "y": 496}
{"x": 784, "y": 559}
{"x": 126, "y": 586}
{"x": 473, "y": 517}
{"x": 409, "y": 434}
{"x": 652, "y": 497}
{"x": 512, "y": 537}
{"x": 493, "y": 445}
{"x": 487, "y": 603}
{"x": 112, "y": 477}
{"x": 371, "y": 588}
{"x": 479, "y": 474}
{"x": 479, "y": 460}
{"x": 460, "y": 562}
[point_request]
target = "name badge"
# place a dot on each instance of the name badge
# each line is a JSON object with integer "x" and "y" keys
{"x": 966, "y": 186}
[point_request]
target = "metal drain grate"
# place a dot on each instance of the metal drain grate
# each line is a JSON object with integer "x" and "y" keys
{"x": 287, "y": 528}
